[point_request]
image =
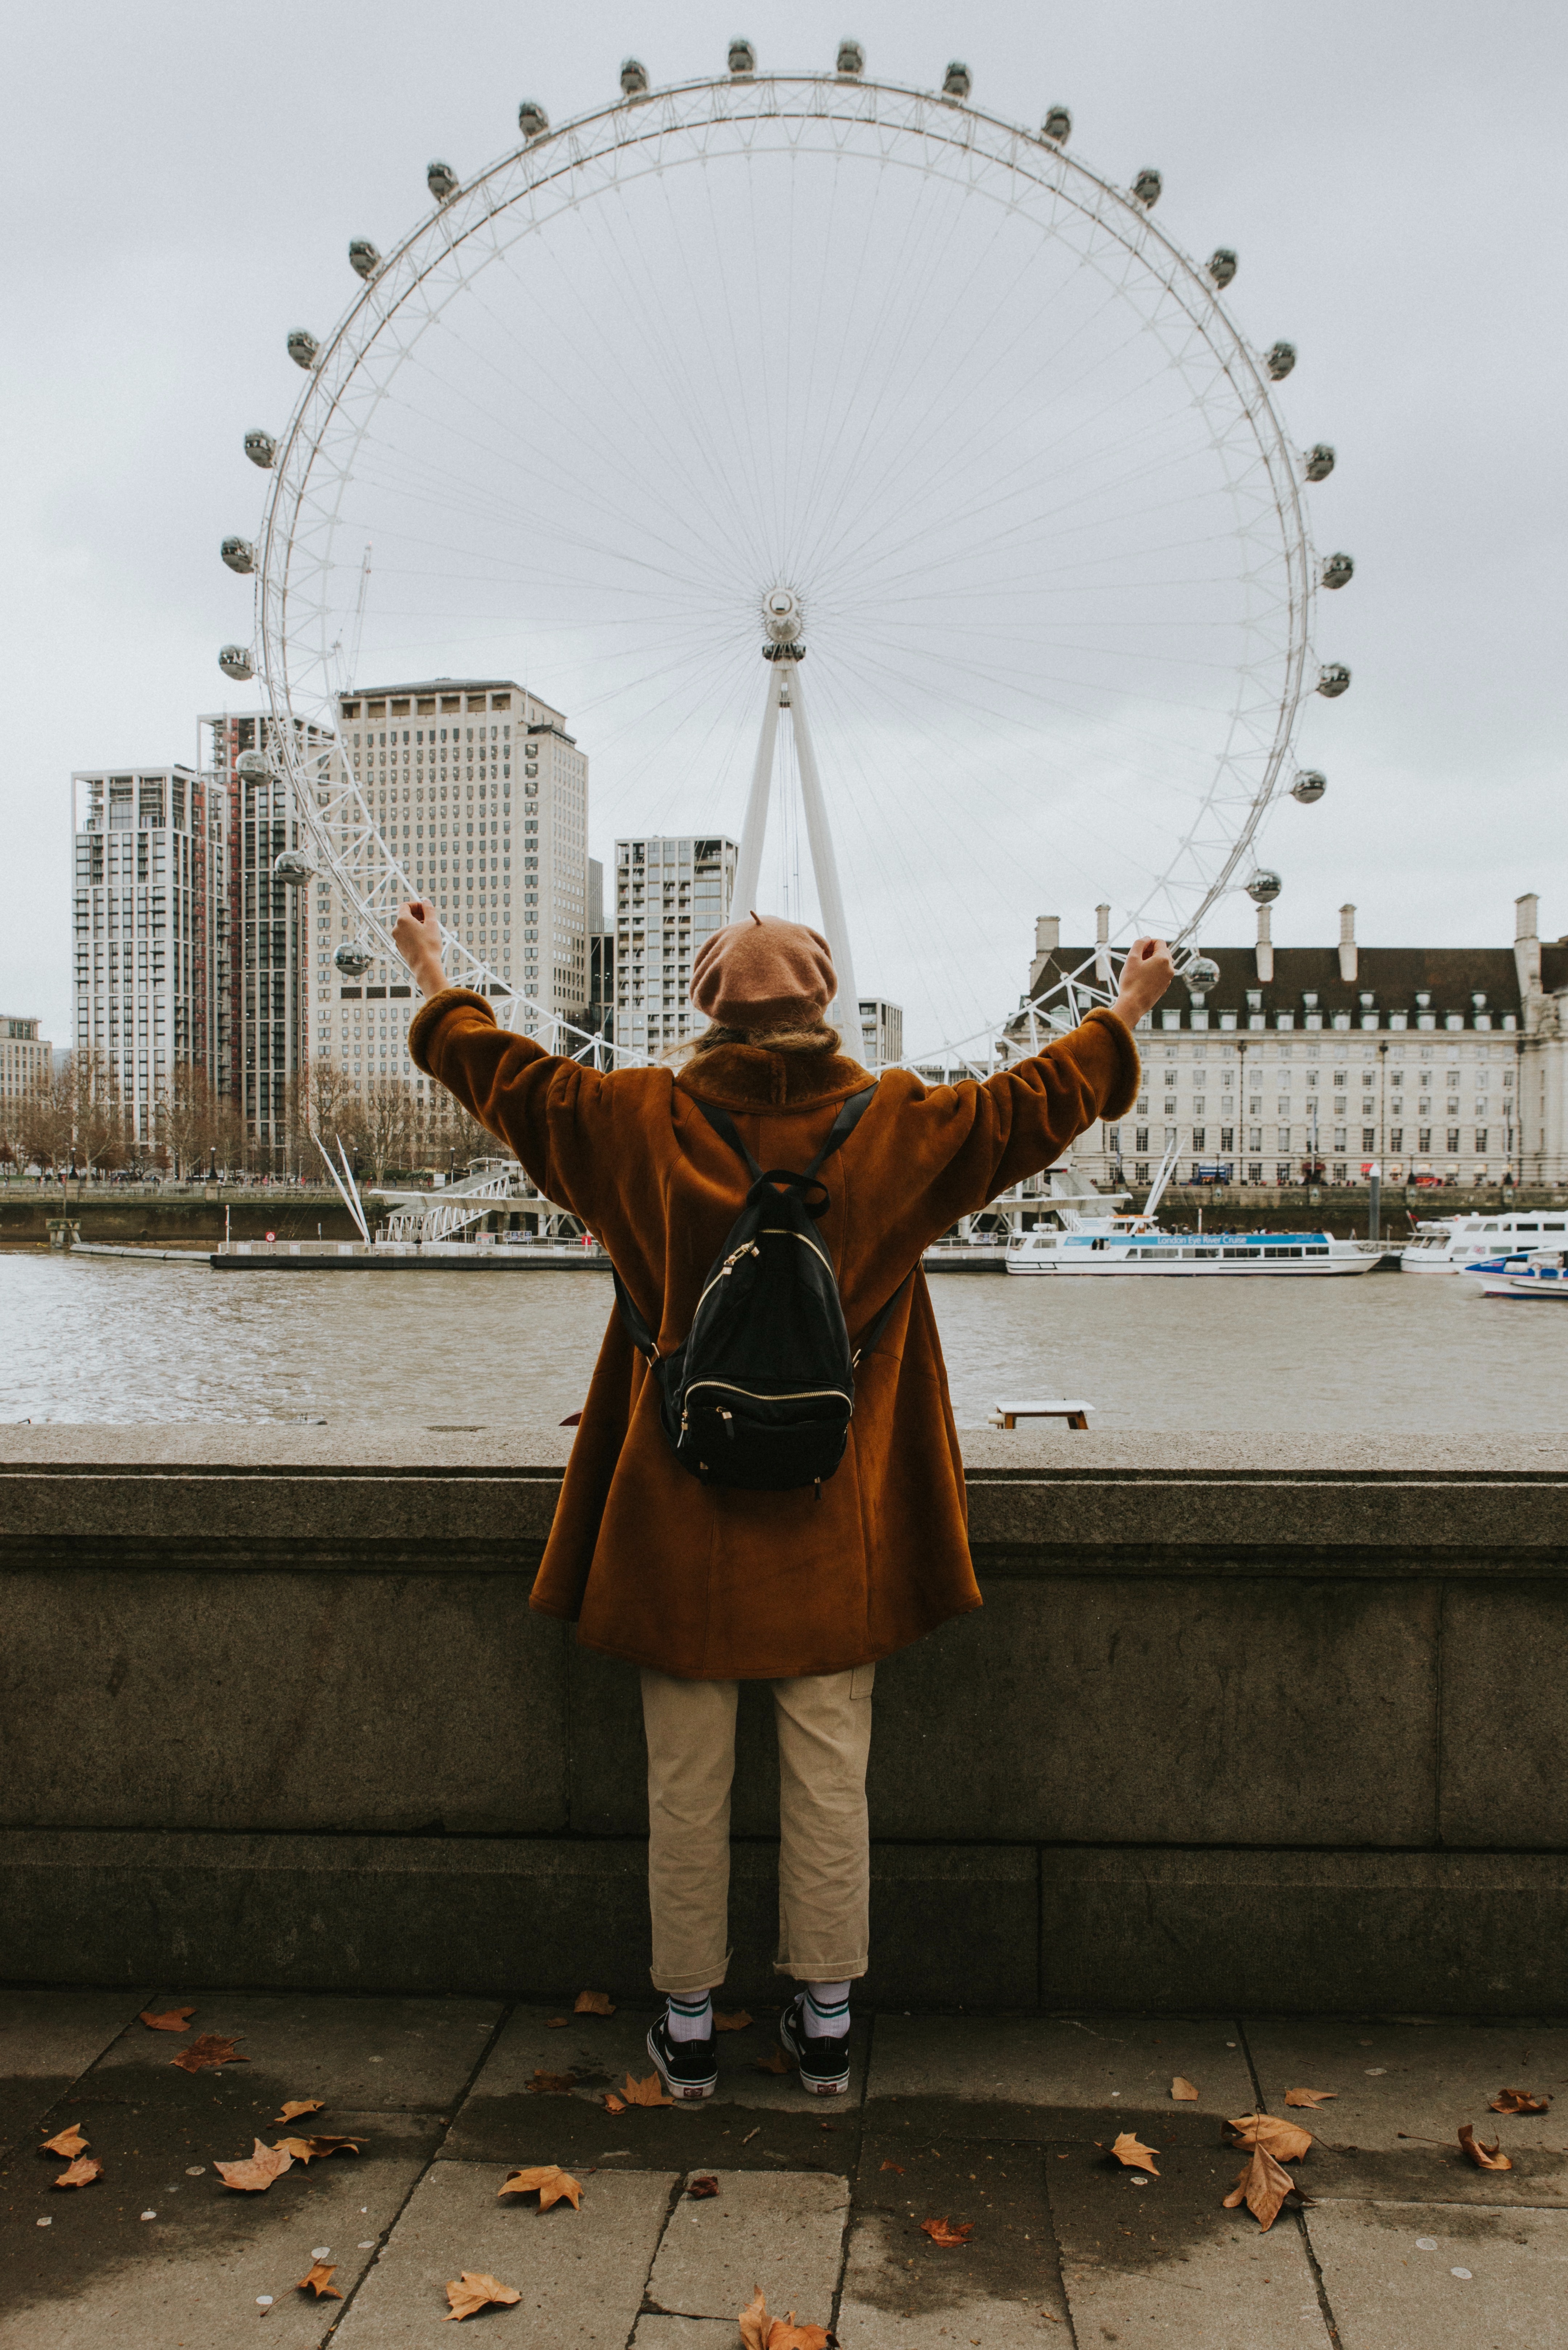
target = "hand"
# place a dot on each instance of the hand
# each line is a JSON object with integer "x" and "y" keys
{"x": 1146, "y": 974}
{"x": 416, "y": 934}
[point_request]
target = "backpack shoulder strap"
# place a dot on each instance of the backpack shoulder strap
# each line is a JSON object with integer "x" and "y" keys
{"x": 724, "y": 1124}
{"x": 844, "y": 1125}
{"x": 637, "y": 1329}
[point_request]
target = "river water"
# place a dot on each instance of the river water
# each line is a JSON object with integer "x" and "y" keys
{"x": 111, "y": 1340}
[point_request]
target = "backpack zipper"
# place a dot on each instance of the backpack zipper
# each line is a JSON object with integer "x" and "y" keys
{"x": 747, "y": 1248}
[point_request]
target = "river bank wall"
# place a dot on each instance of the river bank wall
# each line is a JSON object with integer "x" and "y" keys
{"x": 1267, "y": 1722}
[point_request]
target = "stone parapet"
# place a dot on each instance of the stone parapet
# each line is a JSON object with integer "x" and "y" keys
{"x": 1255, "y": 1720}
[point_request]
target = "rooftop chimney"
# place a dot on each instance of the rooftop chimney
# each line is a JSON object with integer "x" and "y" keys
{"x": 1047, "y": 939}
{"x": 1102, "y": 943}
{"x": 1265, "y": 945}
{"x": 1527, "y": 944}
{"x": 1348, "y": 942}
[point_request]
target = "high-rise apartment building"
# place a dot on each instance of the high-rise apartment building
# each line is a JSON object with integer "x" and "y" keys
{"x": 881, "y": 1033}
{"x": 670, "y": 896}
{"x": 153, "y": 927}
{"x": 482, "y": 797}
{"x": 24, "y": 1056}
{"x": 269, "y": 927}
{"x": 601, "y": 957}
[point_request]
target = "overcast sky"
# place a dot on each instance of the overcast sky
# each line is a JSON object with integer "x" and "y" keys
{"x": 184, "y": 178}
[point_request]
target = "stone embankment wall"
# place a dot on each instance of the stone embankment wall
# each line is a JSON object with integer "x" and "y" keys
{"x": 109, "y": 1212}
{"x": 1268, "y": 1723}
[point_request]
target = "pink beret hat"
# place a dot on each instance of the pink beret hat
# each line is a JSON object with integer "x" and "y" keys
{"x": 763, "y": 972}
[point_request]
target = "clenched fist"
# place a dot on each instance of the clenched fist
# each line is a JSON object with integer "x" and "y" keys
{"x": 416, "y": 934}
{"x": 1146, "y": 974}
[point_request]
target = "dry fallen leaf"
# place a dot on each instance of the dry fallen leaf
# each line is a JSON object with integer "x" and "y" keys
{"x": 1261, "y": 2186}
{"x": 256, "y": 2174}
{"x": 593, "y": 2002}
{"x": 294, "y": 2107}
{"x": 702, "y": 2188}
{"x": 1312, "y": 2098}
{"x": 737, "y": 2022}
{"x": 1485, "y": 2158}
{"x": 1286, "y": 2141}
{"x": 311, "y": 2149}
{"x": 82, "y": 2172}
{"x": 614, "y": 2105}
{"x": 646, "y": 2092}
{"x": 1127, "y": 2150}
{"x": 211, "y": 2048}
{"x": 891, "y": 2165}
{"x": 944, "y": 2231}
{"x": 552, "y": 2084}
{"x": 761, "y": 2331}
{"x": 473, "y": 2291}
{"x": 1183, "y": 2091}
{"x": 318, "y": 2278}
{"x": 177, "y": 2019}
{"x": 1507, "y": 2101}
{"x": 68, "y": 2142}
{"x": 552, "y": 2184}
{"x": 776, "y": 2063}
{"x": 559, "y": 2023}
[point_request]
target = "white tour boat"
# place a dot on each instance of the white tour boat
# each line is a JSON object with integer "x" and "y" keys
{"x": 1081, "y": 1242}
{"x": 1526, "y": 1277}
{"x": 1455, "y": 1243}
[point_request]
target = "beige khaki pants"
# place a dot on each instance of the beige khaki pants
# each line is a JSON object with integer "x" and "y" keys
{"x": 823, "y": 1724}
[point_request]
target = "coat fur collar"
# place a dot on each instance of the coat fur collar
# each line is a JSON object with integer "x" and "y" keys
{"x": 746, "y": 1078}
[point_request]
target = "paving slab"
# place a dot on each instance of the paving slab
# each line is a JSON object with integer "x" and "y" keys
{"x": 417, "y": 2053}
{"x": 1066, "y": 2073}
{"x": 783, "y": 2232}
{"x": 187, "y": 2276}
{"x": 901, "y": 2291}
{"x": 1423, "y": 2077}
{"x": 581, "y": 2273}
{"x": 1398, "y": 2276}
{"x": 601, "y": 2050}
{"x": 47, "y": 2039}
{"x": 1165, "y": 2267}
{"x": 656, "y": 2332}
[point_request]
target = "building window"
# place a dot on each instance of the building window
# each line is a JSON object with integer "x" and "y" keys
{"x": 1397, "y": 1137}
{"x": 1423, "y": 1139}
{"x": 1282, "y": 1172}
{"x": 1255, "y": 1138}
{"x": 1227, "y": 1137}
{"x": 1453, "y": 1138}
{"x": 1339, "y": 1138}
{"x": 1198, "y": 1134}
{"x": 1369, "y": 1137}
{"x": 1480, "y": 1138}
{"x": 1254, "y": 1171}
{"x": 1339, "y": 1173}
{"x": 1140, "y": 1138}
{"x": 1140, "y": 1171}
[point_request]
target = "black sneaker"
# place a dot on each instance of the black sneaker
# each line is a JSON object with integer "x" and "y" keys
{"x": 688, "y": 2068}
{"x": 822, "y": 2064}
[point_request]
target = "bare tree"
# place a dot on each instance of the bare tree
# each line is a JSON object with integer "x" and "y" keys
{"x": 186, "y": 1115}
{"x": 97, "y": 1113}
{"x": 384, "y": 1129}
{"x": 42, "y": 1123}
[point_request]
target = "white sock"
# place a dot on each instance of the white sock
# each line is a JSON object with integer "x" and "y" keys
{"x": 826, "y": 2011}
{"x": 691, "y": 2017}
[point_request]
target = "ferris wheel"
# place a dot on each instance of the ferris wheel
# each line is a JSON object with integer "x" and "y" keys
{"x": 862, "y": 379}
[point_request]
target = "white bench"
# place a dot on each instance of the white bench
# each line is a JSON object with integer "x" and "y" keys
{"x": 1075, "y": 1414}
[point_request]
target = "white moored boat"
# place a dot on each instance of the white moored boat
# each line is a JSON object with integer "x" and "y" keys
{"x": 1536, "y": 1276}
{"x": 1455, "y": 1243}
{"x": 1080, "y": 1242}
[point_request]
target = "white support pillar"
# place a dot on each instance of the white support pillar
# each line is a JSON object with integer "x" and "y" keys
{"x": 754, "y": 832}
{"x": 846, "y": 1010}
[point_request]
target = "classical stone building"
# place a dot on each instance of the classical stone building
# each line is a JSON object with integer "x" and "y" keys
{"x": 1315, "y": 1063}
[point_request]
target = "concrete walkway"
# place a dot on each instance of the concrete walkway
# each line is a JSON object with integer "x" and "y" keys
{"x": 1003, "y": 2126}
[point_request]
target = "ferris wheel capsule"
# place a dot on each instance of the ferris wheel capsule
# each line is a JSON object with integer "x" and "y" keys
{"x": 1201, "y": 974}
{"x": 253, "y": 767}
{"x": 1280, "y": 360}
{"x": 1332, "y": 680}
{"x": 851, "y": 60}
{"x": 1058, "y": 125}
{"x": 352, "y": 961}
{"x": 1319, "y": 462}
{"x": 742, "y": 59}
{"x": 956, "y": 80}
{"x": 441, "y": 181}
{"x": 1223, "y": 266}
{"x": 1337, "y": 569}
{"x": 532, "y": 119}
{"x": 363, "y": 258}
{"x": 239, "y": 554}
{"x": 234, "y": 660}
{"x": 1147, "y": 188}
{"x": 1310, "y": 784}
{"x": 633, "y": 78}
{"x": 1265, "y": 887}
{"x": 290, "y": 866}
{"x": 303, "y": 348}
{"x": 261, "y": 449}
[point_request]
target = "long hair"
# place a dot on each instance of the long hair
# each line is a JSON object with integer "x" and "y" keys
{"x": 810, "y": 1033}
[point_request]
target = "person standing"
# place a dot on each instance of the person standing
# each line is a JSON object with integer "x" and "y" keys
{"x": 703, "y": 1586}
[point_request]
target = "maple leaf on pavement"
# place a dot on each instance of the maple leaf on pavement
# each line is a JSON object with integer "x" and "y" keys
{"x": 777, "y": 2061}
{"x": 557, "y": 2023}
{"x": 593, "y": 2002}
{"x": 1135, "y": 2156}
{"x": 82, "y": 2172}
{"x": 736, "y": 2020}
{"x": 552, "y": 2184}
{"x": 761, "y": 2331}
{"x": 66, "y": 2144}
{"x": 178, "y": 2019}
{"x": 614, "y": 2105}
{"x": 703, "y": 2187}
{"x": 256, "y": 2174}
{"x": 473, "y": 2291}
{"x": 646, "y": 2092}
{"x": 1183, "y": 2091}
{"x": 311, "y": 2149}
{"x": 552, "y": 2084}
{"x": 293, "y": 2109}
{"x": 948, "y": 2231}
{"x": 1519, "y": 2100}
{"x": 891, "y": 2165}
{"x": 1261, "y": 2186}
{"x": 1485, "y": 2158}
{"x": 1286, "y": 2141}
{"x": 1312, "y": 2098}
{"x": 211, "y": 2048}
{"x": 318, "y": 2278}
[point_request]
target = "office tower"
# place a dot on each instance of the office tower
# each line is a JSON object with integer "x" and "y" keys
{"x": 672, "y": 895}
